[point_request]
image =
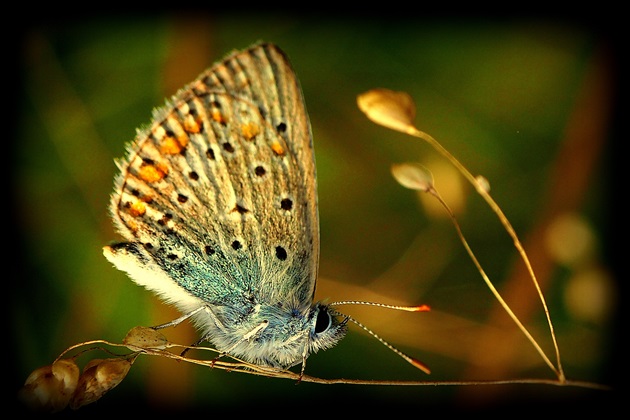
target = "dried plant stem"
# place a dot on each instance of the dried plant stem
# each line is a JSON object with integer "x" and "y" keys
{"x": 517, "y": 243}
{"x": 248, "y": 368}
{"x": 579, "y": 384}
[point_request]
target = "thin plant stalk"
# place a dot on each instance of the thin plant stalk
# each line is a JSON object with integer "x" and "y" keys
{"x": 396, "y": 110}
{"x": 482, "y": 191}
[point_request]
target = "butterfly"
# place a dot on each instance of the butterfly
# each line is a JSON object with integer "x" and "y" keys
{"x": 216, "y": 201}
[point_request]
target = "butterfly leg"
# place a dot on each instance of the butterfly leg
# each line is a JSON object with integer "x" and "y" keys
{"x": 304, "y": 356}
{"x": 188, "y": 315}
{"x": 179, "y": 320}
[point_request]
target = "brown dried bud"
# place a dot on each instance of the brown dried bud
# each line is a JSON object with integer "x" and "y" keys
{"x": 98, "y": 377}
{"x": 389, "y": 108}
{"x": 50, "y": 388}
{"x": 413, "y": 176}
{"x": 146, "y": 338}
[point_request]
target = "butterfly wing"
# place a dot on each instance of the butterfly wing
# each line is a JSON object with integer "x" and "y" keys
{"x": 217, "y": 197}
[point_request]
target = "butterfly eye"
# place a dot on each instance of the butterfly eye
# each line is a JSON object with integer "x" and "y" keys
{"x": 323, "y": 321}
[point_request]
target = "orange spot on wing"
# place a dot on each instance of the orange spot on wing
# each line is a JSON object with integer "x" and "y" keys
{"x": 250, "y": 130}
{"x": 216, "y": 115}
{"x": 132, "y": 226}
{"x": 137, "y": 209}
{"x": 171, "y": 146}
{"x": 183, "y": 140}
{"x": 277, "y": 148}
{"x": 191, "y": 125}
{"x": 152, "y": 172}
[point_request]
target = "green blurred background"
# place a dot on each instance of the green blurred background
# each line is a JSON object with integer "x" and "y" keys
{"x": 527, "y": 103}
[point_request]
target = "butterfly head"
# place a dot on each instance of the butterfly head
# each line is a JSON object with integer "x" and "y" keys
{"x": 323, "y": 328}
{"x": 280, "y": 337}
{"x": 326, "y": 328}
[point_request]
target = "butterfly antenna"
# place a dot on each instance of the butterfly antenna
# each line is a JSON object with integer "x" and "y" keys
{"x": 422, "y": 308}
{"x": 417, "y": 308}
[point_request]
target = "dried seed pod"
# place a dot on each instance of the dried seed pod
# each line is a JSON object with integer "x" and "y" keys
{"x": 98, "y": 377}
{"x": 50, "y": 388}
{"x": 146, "y": 338}
{"x": 391, "y": 109}
{"x": 413, "y": 176}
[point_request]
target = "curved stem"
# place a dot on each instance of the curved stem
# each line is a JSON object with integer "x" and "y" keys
{"x": 517, "y": 243}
